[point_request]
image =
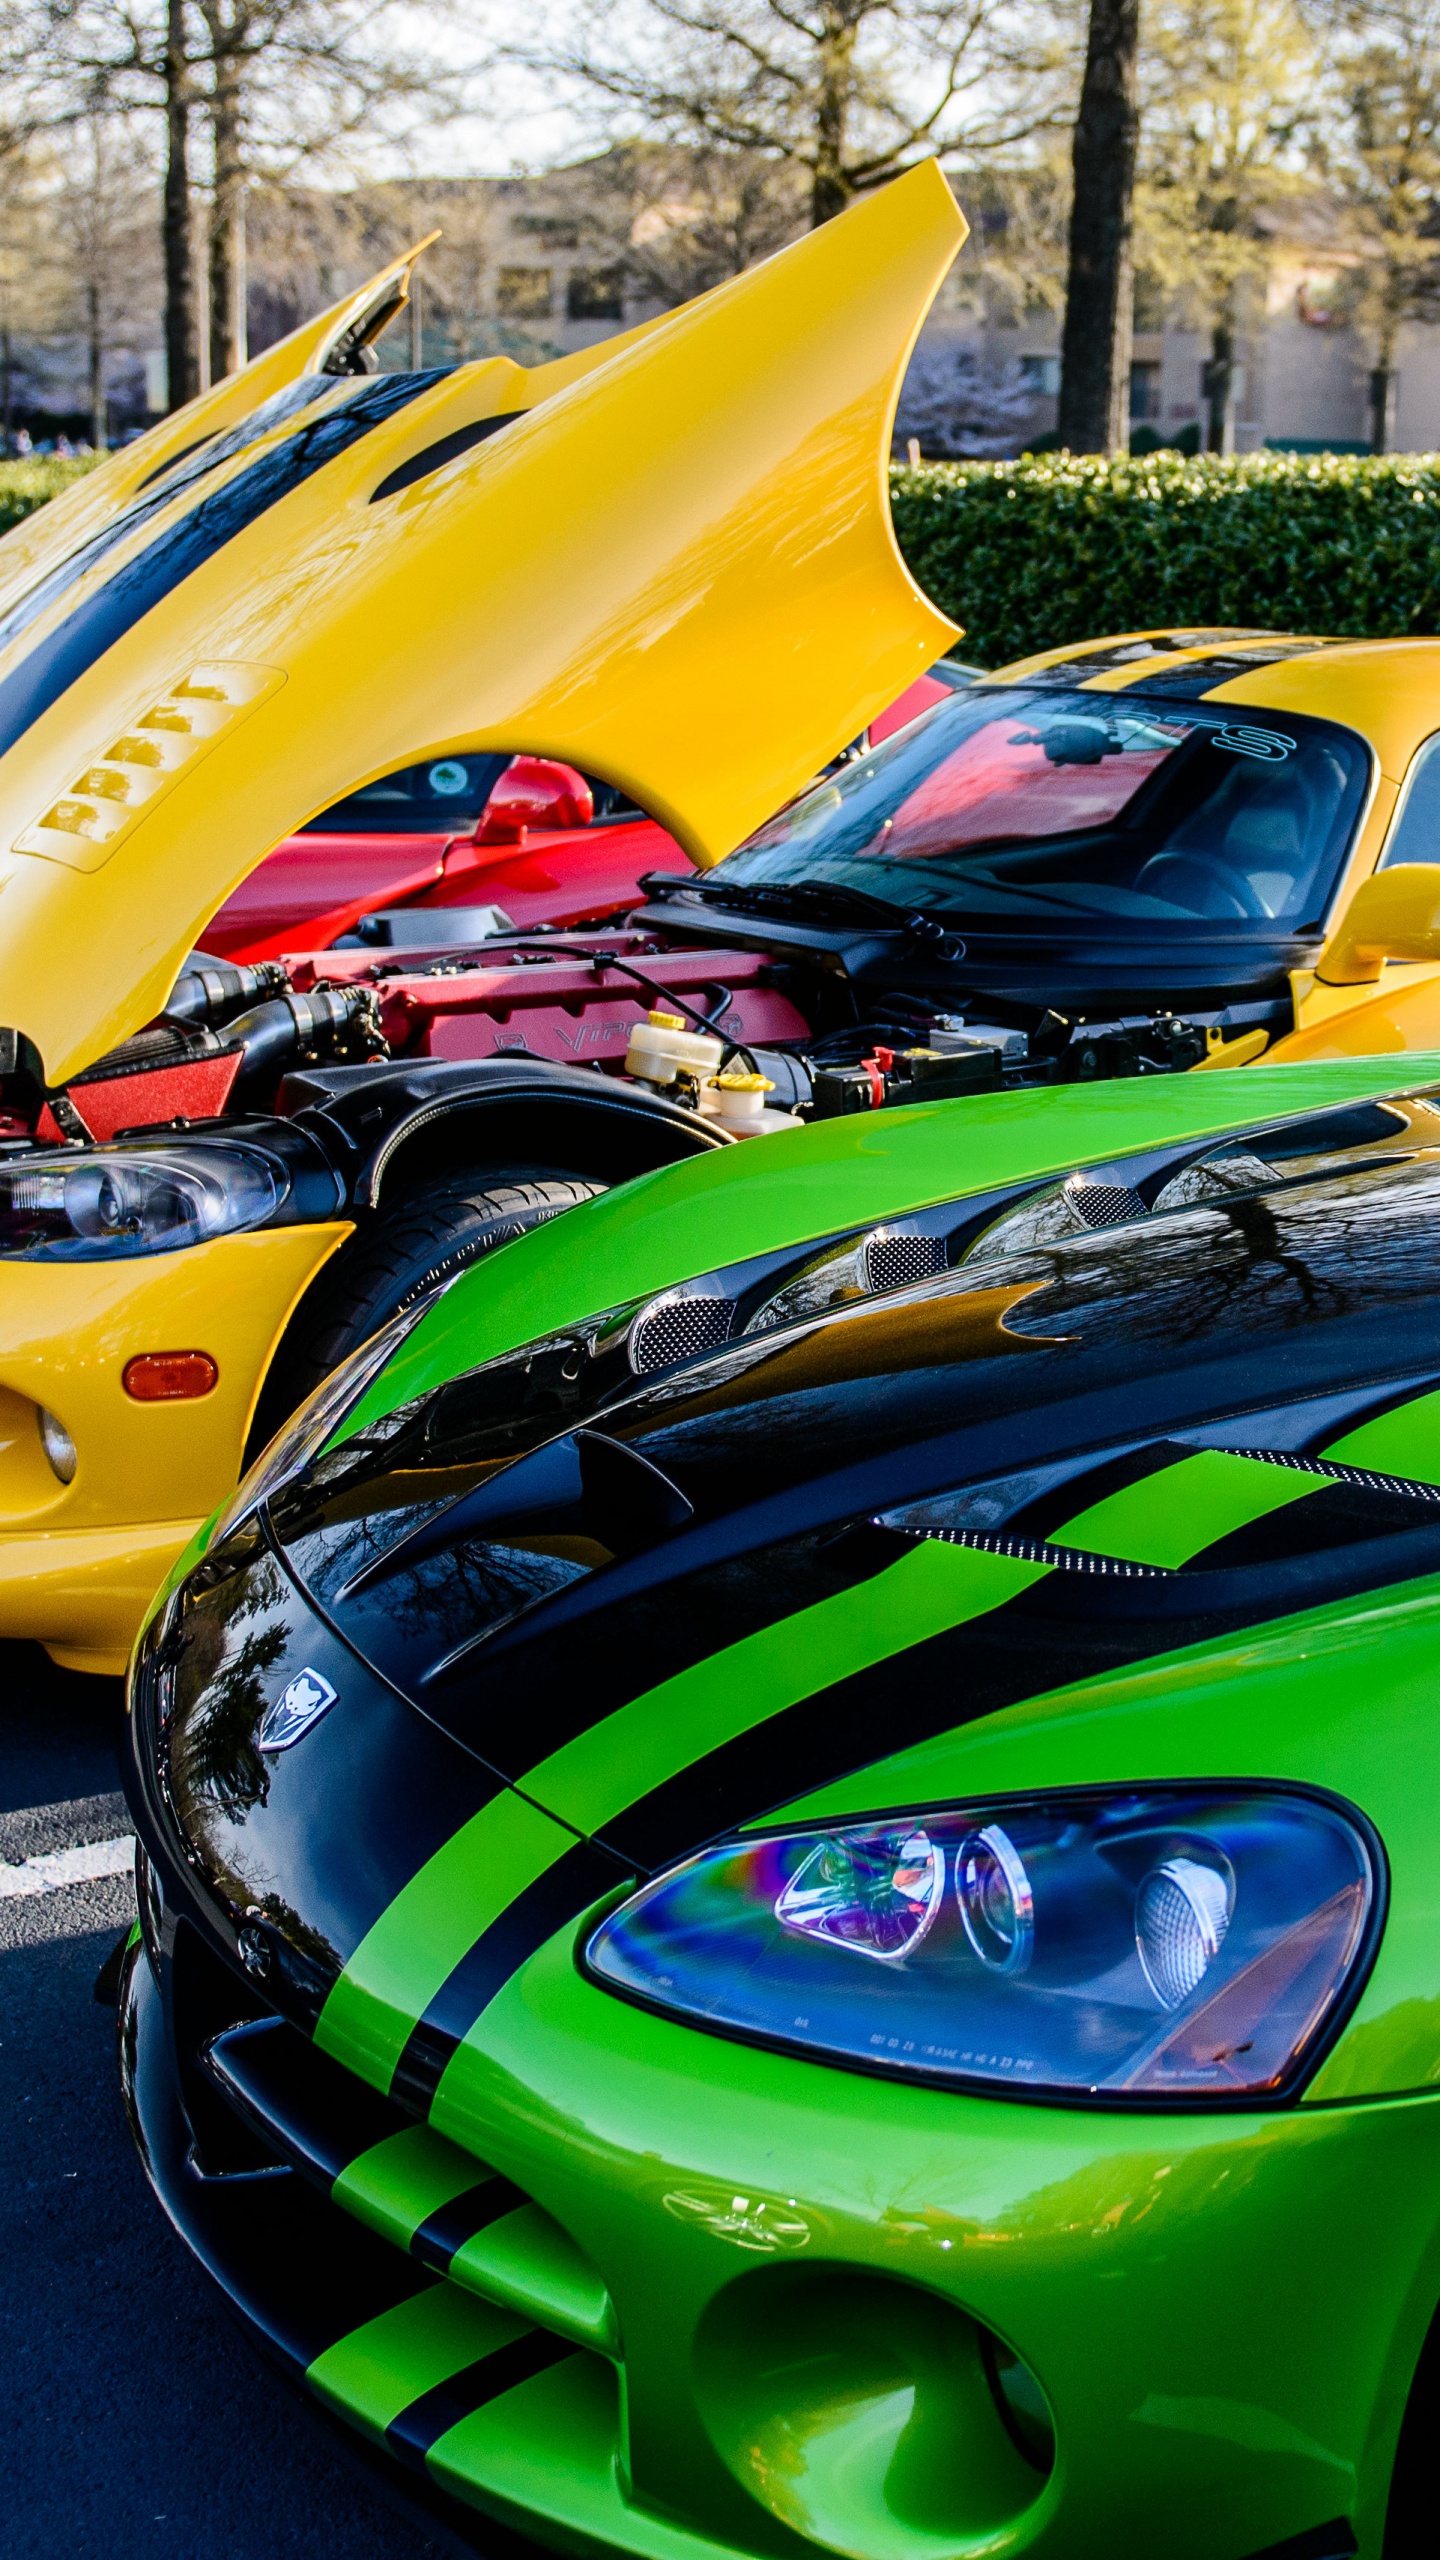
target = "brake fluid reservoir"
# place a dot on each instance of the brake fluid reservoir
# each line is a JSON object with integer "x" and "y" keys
{"x": 737, "y": 1103}
{"x": 660, "y": 1047}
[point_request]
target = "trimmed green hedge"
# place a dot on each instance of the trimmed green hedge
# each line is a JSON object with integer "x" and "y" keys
{"x": 24, "y": 486}
{"x": 1027, "y": 555}
{"x": 1056, "y": 547}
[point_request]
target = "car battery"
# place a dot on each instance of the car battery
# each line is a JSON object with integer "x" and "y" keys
{"x": 891, "y": 1076}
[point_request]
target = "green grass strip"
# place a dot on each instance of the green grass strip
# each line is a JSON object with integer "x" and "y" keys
{"x": 397, "y": 2184}
{"x": 1170, "y": 1516}
{"x": 375, "y": 2372}
{"x": 592, "y": 1779}
{"x": 433, "y": 1921}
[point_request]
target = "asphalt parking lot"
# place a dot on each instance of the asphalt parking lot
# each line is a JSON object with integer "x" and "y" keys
{"x": 136, "y": 2422}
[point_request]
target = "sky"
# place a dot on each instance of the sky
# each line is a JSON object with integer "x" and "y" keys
{"x": 524, "y": 125}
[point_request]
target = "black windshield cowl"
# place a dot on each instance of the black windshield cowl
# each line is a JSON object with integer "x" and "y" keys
{"x": 816, "y": 902}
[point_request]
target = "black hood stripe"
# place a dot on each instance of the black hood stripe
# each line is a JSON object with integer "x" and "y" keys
{"x": 181, "y": 473}
{"x": 581, "y": 1877}
{"x": 144, "y": 582}
{"x": 427, "y": 2419}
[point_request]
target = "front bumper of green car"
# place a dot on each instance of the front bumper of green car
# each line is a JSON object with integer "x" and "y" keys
{"x": 639, "y": 2289}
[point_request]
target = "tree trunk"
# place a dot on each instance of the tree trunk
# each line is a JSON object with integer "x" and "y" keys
{"x": 1100, "y": 288}
{"x": 1382, "y": 385}
{"x": 181, "y": 334}
{"x": 830, "y": 188}
{"x": 1382, "y": 379}
{"x": 227, "y": 214}
{"x": 95, "y": 332}
{"x": 1218, "y": 386}
{"x": 7, "y": 388}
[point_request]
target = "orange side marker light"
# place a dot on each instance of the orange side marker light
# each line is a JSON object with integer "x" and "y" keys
{"x": 169, "y": 1377}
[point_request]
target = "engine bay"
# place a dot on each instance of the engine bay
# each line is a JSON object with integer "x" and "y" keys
{"x": 753, "y": 1040}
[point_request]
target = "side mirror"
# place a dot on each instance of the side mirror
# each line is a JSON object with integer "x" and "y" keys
{"x": 533, "y": 791}
{"x": 1394, "y": 915}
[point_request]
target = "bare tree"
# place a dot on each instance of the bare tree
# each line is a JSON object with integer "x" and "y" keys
{"x": 846, "y": 93}
{"x": 103, "y": 214}
{"x": 182, "y": 318}
{"x": 28, "y": 286}
{"x": 290, "y": 83}
{"x": 275, "y": 82}
{"x": 679, "y": 220}
{"x": 1099, "y": 298}
{"x": 1385, "y": 149}
{"x": 1230, "y": 124}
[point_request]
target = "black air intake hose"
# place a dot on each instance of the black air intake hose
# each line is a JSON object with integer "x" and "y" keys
{"x": 213, "y": 989}
{"x": 791, "y": 1077}
{"x": 291, "y": 1029}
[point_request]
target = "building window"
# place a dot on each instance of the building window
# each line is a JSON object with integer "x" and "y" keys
{"x": 596, "y": 293}
{"x": 1144, "y": 393}
{"x": 1040, "y": 376}
{"x": 523, "y": 293}
{"x": 557, "y": 231}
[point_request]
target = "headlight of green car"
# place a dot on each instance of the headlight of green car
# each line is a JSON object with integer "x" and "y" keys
{"x": 1136, "y": 1947}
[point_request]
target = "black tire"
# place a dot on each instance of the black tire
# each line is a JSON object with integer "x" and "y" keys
{"x": 425, "y": 1238}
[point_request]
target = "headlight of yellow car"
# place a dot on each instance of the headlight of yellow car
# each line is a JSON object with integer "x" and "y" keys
{"x": 103, "y": 1205}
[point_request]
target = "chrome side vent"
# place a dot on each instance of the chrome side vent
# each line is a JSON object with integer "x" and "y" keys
{"x": 683, "y": 1324}
{"x": 1103, "y": 1204}
{"x": 892, "y": 1258}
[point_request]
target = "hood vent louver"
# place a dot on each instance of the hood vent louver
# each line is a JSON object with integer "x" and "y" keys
{"x": 1104, "y": 1204}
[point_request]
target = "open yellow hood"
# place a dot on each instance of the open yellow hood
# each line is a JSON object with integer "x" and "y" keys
{"x": 673, "y": 565}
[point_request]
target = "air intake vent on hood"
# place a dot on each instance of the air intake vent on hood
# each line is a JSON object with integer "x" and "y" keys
{"x": 1104, "y": 1204}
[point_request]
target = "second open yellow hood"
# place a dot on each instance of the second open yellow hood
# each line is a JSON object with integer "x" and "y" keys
{"x": 672, "y": 564}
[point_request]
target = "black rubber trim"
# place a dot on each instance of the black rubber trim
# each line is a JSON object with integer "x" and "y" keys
{"x": 433, "y": 457}
{"x": 300, "y": 2273}
{"x": 263, "y": 2243}
{"x": 317, "y": 2116}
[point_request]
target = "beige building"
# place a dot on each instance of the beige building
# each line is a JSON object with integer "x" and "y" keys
{"x": 1301, "y": 380}
{"x": 538, "y": 266}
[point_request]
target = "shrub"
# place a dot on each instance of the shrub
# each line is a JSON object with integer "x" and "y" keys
{"x": 1056, "y": 547}
{"x": 26, "y": 485}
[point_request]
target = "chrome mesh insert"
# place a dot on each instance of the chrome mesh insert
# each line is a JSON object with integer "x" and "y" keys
{"x": 1104, "y": 1204}
{"x": 679, "y": 1326}
{"x": 893, "y": 1259}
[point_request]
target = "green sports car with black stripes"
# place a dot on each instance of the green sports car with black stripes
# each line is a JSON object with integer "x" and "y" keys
{"x": 790, "y": 1872}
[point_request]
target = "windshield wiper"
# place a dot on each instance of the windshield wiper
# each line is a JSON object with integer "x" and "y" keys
{"x": 817, "y": 902}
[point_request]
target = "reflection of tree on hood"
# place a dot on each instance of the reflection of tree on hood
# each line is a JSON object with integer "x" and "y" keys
{"x": 309, "y": 1941}
{"x": 217, "y": 1766}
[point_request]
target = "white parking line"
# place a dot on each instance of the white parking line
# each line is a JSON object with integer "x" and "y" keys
{"x": 60, "y": 1867}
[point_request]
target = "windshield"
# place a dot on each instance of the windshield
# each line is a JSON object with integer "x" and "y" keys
{"x": 1013, "y": 807}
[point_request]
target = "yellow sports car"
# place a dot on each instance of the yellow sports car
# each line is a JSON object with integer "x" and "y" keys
{"x": 667, "y": 564}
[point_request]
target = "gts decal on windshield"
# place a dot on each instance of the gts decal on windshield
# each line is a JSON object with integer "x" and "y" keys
{"x": 1269, "y": 746}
